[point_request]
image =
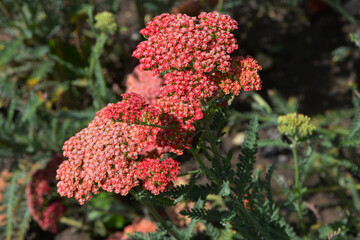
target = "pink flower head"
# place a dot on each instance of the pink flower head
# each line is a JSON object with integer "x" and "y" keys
{"x": 106, "y": 154}
{"x": 145, "y": 83}
{"x": 243, "y": 75}
{"x": 156, "y": 174}
{"x": 51, "y": 216}
{"x": 38, "y": 191}
{"x": 248, "y": 74}
{"x": 132, "y": 109}
{"x": 182, "y": 93}
{"x": 179, "y": 41}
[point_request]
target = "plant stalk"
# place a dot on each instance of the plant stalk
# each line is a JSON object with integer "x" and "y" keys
{"x": 341, "y": 10}
{"x": 297, "y": 188}
{"x": 157, "y": 216}
{"x": 140, "y": 13}
{"x": 5, "y": 10}
{"x": 207, "y": 171}
{"x": 74, "y": 223}
{"x": 256, "y": 224}
{"x": 213, "y": 147}
{"x": 330, "y": 189}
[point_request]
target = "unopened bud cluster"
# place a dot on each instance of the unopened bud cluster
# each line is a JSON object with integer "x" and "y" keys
{"x": 295, "y": 126}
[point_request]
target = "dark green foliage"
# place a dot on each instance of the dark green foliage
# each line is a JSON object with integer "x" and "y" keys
{"x": 157, "y": 6}
{"x": 16, "y": 211}
{"x": 150, "y": 236}
{"x": 192, "y": 193}
{"x": 219, "y": 122}
{"x": 260, "y": 219}
{"x": 40, "y": 78}
{"x": 267, "y": 184}
{"x": 10, "y": 51}
{"x": 211, "y": 215}
{"x": 51, "y": 88}
{"x": 354, "y": 137}
{"x": 154, "y": 199}
{"x": 247, "y": 157}
{"x": 213, "y": 232}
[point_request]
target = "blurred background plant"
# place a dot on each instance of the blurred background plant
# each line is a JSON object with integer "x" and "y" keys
{"x": 61, "y": 61}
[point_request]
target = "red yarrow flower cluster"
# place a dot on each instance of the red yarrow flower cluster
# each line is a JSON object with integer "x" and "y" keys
{"x": 182, "y": 93}
{"x": 108, "y": 154}
{"x": 243, "y": 75}
{"x": 179, "y": 41}
{"x": 122, "y": 147}
{"x": 157, "y": 174}
{"x": 44, "y": 210}
{"x": 194, "y": 54}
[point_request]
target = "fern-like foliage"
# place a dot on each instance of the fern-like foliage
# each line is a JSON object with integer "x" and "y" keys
{"x": 267, "y": 184}
{"x": 216, "y": 233}
{"x": 150, "y": 236}
{"x": 354, "y": 137}
{"x": 17, "y": 212}
{"x": 247, "y": 157}
{"x": 210, "y": 215}
{"x": 263, "y": 213}
{"x": 157, "y": 200}
{"x": 192, "y": 193}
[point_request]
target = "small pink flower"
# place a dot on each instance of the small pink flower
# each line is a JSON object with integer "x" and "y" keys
{"x": 38, "y": 198}
{"x": 50, "y": 217}
{"x": 145, "y": 83}
{"x": 243, "y": 75}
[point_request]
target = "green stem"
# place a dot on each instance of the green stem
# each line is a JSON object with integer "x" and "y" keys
{"x": 157, "y": 216}
{"x": 140, "y": 13}
{"x": 153, "y": 125}
{"x": 297, "y": 188}
{"x": 73, "y": 223}
{"x": 146, "y": 124}
{"x": 189, "y": 173}
{"x": 22, "y": 15}
{"x": 256, "y": 224}
{"x": 24, "y": 225}
{"x": 42, "y": 4}
{"x": 9, "y": 213}
{"x": 213, "y": 147}
{"x": 5, "y": 10}
{"x": 211, "y": 138}
{"x": 220, "y": 6}
{"x": 329, "y": 189}
{"x": 341, "y": 10}
{"x": 92, "y": 22}
{"x": 206, "y": 170}
{"x": 297, "y": 169}
{"x": 206, "y": 4}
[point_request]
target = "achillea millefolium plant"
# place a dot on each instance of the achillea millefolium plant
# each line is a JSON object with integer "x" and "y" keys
{"x": 131, "y": 146}
{"x": 123, "y": 145}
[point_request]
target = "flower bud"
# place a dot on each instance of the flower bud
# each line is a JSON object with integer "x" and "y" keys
{"x": 105, "y": 22}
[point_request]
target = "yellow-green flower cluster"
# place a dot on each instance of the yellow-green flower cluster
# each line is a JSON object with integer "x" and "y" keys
{"x": 295, "y": 126}
{"x": 105, "y": 22}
